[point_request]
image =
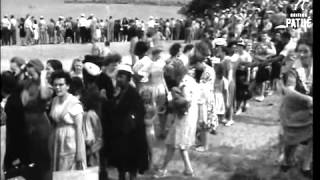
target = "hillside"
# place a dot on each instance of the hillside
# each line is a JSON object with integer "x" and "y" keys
{"x": 56, "y": 8}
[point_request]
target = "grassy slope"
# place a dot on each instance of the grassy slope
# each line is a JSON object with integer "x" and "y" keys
{"x": 55, "y": 8}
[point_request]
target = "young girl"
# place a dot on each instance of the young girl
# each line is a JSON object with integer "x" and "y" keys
{"x": 92, "y": 126}
{"x": 151, "y": 115}
{"x": 221, "y": 94}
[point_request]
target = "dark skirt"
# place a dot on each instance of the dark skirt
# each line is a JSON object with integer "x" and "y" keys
{"x": 263, "y": 74}
{"x": 276, "y": 70}
{"x": 69, "y": 33}
{"x": 128, "y": 152}
{"x": 242, "y": 86}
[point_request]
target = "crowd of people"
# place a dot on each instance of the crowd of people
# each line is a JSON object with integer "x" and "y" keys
{"x": 30, "y": 30}
{"x": 109, "y": 113}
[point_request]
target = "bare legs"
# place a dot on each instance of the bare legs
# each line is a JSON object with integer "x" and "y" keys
{"x": 185, "y": 157}
{"x": 122, "y": 175}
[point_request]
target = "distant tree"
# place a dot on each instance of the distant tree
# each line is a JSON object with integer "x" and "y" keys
{"x": 200, "y": 8}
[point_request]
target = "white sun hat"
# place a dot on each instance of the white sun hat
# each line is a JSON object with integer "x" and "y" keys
{"x": 220, "y": 42}
{"x": 125, "y": 67}
{"x": 82, "y": 14}
{"x": 92, "y": 68}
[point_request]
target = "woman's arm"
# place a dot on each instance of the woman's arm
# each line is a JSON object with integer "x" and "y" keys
{"x": 226, "y": 93}
{"x": 80, "y": 147}
{"x": 45, "y": 88}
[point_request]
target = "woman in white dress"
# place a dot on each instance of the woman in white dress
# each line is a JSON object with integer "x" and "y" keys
{"x": 67, "y": 114}
{"x": 183, "y": 130}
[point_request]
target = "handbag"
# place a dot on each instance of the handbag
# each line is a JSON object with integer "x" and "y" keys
{"x": 91, "y": 173}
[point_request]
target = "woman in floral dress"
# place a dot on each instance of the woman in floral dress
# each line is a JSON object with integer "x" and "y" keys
{"x": 182, "y": 133}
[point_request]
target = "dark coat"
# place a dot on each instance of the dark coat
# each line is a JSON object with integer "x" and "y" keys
{"x": 28, "y": 131}
{"x": 16, "y": 143}
{"x": 124, "y": 132}
{"x": 103, "y": 81}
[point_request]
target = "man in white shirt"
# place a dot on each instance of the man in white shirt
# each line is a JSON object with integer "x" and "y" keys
{"x": 13, "y": 29}
{"x": 83, "y": 28}
{"x": 28, "y": 28}
{"x": 151, "y": 23}
{"x": 6, "y": 25}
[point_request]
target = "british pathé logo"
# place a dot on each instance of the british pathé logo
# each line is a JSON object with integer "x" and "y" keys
{"x": 297, "y": 19}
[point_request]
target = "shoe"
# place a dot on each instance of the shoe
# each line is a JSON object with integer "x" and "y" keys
{"x": 259, "y": 98}
{"x": 244, "y": 109}
{"x": 224, "y": 121}
{"x": 270, "y": 93}
{"x": 188, "y": 173}
{"x": 247, "y": 105}
{"x": 201, "y": 149}
{"x": 238, "y": 112}
{"x": 213, "y": 132}
{"x": 160, "y": 173}
{"x": 229, "y": 123}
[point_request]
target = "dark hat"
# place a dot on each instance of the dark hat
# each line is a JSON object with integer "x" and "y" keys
{"x": 37, "y": 64}
{"x": 18, "y": 60}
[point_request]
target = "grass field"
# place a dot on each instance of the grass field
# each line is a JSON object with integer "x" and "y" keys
{"x": 56, "y": 8}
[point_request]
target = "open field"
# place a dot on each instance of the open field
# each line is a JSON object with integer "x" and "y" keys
{"x": 250, "y": 145}
{"x": 56, "y": 8}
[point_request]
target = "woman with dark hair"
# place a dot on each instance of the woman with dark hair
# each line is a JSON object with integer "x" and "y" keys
{"x": 296, "y": 111}
{"x": 205, "y": 77}
{"x": 52, "y": 66}
{"x": 141, "y": 67}
{"x": 174, "y": 56}
{"x": 125, "y": 27}
{"x": 124, "y": 129}
{"x": 66, "y": 113}
{"x": 17, "y": 65}
{"x": 106, "y": 81}
{"x": 184, "y": 105}
{"x": 27, "y": 110}
{"x": 76, "y": 87}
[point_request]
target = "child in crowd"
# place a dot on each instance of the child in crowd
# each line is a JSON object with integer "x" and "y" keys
{"x": 92, "y": 125}
{"x": 106, "y": 50}
{"x": 242, "y": 88}
{"x": 150, "y": 118}
{"x": 221, "y": 94}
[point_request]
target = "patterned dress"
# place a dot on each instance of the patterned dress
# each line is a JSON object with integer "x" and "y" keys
{"x": 209, "y": 120}
{"x": 220, "y": 86}
{"x": 183, "y": 131}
